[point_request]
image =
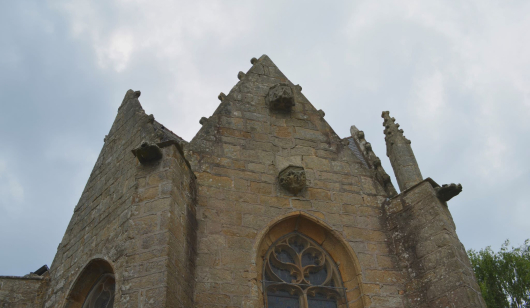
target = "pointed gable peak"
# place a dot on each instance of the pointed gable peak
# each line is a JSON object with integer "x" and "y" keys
{"x": 265, "y": 67}
{"x": 262, "y": 97}
{"x": 255, "y": 88}
{"x": 264, "y": 59}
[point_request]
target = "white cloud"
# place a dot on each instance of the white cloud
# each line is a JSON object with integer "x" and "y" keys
{"x": 491, "y": 159}
{"x": 429, "y": 104}
{"x": 166, "y": 28}
{"x": 11, "y": 190}
{"x": 16, "y": 190}
{"x": 117, "y": 51}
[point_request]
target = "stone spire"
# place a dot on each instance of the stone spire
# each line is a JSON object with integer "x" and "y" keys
{"x": 400, "y": 153}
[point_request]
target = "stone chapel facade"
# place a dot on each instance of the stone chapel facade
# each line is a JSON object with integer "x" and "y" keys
{"x": 265, "y": 207}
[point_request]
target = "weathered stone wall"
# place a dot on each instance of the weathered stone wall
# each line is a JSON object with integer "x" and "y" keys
{"x": 237, "y": 156}
{"x": 135, "y": 217}
{"x": 439, "y": 273}
{"x": 22, "y": 292}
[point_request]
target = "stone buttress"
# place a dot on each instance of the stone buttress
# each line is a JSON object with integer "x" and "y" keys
{"x": 439, "y": 272}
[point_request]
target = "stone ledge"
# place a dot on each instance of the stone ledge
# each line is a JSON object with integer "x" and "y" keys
{"x": 429, "y": 180}
{"x": 22, "y": 278}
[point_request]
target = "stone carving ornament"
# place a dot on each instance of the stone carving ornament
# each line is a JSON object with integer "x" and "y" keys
{"x": 299, "y": 273}
{"x": 448, "y": 191}
{"x": 147, "y": 152}
{"x": 292, "y": 179}
{"x": 281, "y": 97}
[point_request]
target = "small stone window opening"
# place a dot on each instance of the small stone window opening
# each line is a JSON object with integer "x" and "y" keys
{"x": 102, "y": 293}
{"x": 298, "y": 273}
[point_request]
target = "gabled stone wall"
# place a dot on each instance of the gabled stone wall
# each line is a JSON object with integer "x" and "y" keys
{"x": 139, "y": 218}
{"x": 237, "y": 156}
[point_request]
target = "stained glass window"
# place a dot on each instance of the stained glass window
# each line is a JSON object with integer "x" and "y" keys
{"x": 298, "y": 273}
{"x": 102, "y": 293}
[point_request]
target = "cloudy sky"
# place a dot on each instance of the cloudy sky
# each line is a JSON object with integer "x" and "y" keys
{"x": 455, "y": 74}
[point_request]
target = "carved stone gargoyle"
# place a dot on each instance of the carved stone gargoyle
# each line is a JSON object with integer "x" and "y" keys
{"x": 281, "y": 97}
{"x": 448, "y": 191}
{"x": 147, "y": 152}
{"x": 292, "y": 179}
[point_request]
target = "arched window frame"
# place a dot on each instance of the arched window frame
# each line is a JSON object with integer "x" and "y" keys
{"x": 87, "y": 281}
{"x": 101, "y": 295}
{"x": 298, "y": 251}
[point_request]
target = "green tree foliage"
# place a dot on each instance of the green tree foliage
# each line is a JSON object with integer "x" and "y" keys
{"x": 504, "y": 276}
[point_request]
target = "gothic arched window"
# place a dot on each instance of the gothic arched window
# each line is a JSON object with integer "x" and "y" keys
{"x": 94, "y": 287}
{"x": 298, "y": 273}
{"x": 102, "y": 293}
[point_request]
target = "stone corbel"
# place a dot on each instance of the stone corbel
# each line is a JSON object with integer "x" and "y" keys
{"x": 147, "y": 152}
{"x": 281, "y": 98}
{"x": 447, "y": 191}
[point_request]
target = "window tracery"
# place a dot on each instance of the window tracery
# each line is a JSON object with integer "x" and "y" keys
{"x": 298, "y": 273}
{"x": 102, "y": 293}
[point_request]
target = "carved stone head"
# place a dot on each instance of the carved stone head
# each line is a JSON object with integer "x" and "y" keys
{"x": 281, "y": 97}
{"x": 292, "y": 179}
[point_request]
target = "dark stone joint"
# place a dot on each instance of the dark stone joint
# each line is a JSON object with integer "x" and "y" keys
{"x": 448, "y": 191}
{"x": 147, "y": 152}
